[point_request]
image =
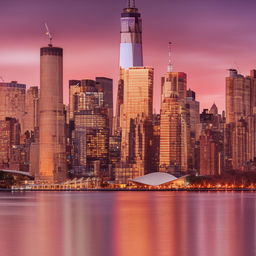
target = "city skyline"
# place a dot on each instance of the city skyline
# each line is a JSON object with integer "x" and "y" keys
{"x": 113, "y": 114}
{"x": 203, "y": 52}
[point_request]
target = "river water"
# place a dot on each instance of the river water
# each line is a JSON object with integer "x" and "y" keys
{"x": 128, "y": 224}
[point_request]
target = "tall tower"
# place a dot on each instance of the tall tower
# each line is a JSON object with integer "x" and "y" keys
{"x": 131, "y": 54}
{"x": 240, "y": 139}
{"x": 238, "y": 96}
{"x": 174, "y": 123}
{"x": 138, "y": 101}
{"x": 131, "y": 37}
{"x": 52, "y": 144}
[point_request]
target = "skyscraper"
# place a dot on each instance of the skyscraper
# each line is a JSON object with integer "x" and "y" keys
{"x": 107, "y": 85}
{"x": 174, "y": 122}
{"x": 174, "y": 82}
{"x": 9, "y": 138}
{"x": 211, "y": 152}
{"x": 174, "y": 135}
{"x": 136, "y": 122}
{"x": 90, "y": 107}
{"x": 91, "y": 142}
{"x": 74, "y": 87}
{"x": 131, "y": 37}
{"x": 12, "y": 102}
{"x": 238, "y": 96}
{"x": 240, "y": 138}
{"x": 31, "y": 109}
{"x": 192, "y": 106}
{"x": 138, "y": 101}
{"x": 85, "y": 95}
{"x": 52, "y": 142}
{"x": 131, "y": 54}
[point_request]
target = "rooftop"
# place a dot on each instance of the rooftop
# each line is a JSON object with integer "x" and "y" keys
{"x": 155, "y": 179}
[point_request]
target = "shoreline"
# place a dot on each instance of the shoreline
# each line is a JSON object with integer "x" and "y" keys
{"x": 134, "y": 190}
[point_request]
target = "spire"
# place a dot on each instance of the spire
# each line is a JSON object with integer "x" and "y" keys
{"x": 131, "y": 4}
{"x": 169, "y": 67}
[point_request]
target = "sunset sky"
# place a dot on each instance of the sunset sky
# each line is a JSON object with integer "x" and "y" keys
{"x": 208, "y": 38}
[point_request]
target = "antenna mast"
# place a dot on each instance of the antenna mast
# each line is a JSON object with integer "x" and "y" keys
{"x": 169, "y": 68}
{"x": 48, "y": 34}
{"x": 131, "y": 4}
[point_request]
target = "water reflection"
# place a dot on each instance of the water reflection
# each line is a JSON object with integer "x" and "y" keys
{"x": 127, "y": 223}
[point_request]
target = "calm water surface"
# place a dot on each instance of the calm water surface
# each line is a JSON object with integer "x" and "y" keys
{"x": 127, "y": 223}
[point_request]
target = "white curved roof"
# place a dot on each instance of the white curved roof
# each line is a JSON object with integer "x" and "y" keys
{"x": 155, "y": 179}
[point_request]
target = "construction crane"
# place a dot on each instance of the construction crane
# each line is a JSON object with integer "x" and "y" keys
{"x": 48, "y": 34}
{"x": 1, "y": 78}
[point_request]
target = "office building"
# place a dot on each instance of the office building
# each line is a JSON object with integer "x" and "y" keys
{"x": 174, "y": 122}
{"x": 193, "y": 107}
{"x": 131, "y": 53}
{"x": 138, "y": 101}
{"x": 52, "y": 141}
{"x": 91, "y": 143}
{"x": 131, "y": 37}
{"x": 174, "y": 135}
{"x": 31, "y": 118}
{"x": 12, "y": 102}
{"x": 9, "y": 139}
{"x": 240, "y": 134}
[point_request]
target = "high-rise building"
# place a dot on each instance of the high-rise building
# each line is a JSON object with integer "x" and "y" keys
{"x": 114, "y": 150}
{"x": 91, "y": 107}
{"x": 211, "y": 152}
{"x": 91, "y": 142}
{"x": 31, "y": 109}
{"x": 174, "y": 135}
{"x": 12, "y": 102}
{"x": 138, "y": 162}
{"x": 155, "y": 148}
{"x": 74, "y": 87}
{"x": 138, "y": 101}
{"x": 174, "y": 82}
{"x": 240, "y": 134}
{"x": 119, "y": 104}
{"x": 107, "y": 84}
{"x": 136, "y": 123}
{"x": 211, "y": 142}
{"x": 194, "y": 115}
{"x": 238, "y": 96}
{"x": 9, "y": 139}
{"x": 131, "y": 37}
{"x": 52, "y": 141}
{"x": 86, "y": 95}
{"x": 131, "y": 53}
{"x": 174, "y": 122}
{"x": 193, "y": 106}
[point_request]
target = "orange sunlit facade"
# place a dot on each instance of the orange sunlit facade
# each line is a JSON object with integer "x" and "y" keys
{"x": 174, "y": 123}
{"x": 136, "y": 113}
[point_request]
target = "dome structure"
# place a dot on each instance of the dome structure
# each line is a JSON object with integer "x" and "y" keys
{"x": 155, "y": 179}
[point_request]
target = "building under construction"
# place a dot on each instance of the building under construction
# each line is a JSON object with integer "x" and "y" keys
{"x": 52, "y": 142}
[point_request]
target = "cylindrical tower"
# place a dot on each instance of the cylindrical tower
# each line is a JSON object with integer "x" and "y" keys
{"x": 131, "y": 38}
{"x": 52, "y": 143}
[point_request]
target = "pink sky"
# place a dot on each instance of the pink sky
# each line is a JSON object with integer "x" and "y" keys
{"x": 207, "y": 37}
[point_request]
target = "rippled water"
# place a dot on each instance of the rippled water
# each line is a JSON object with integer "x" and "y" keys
{"x": 127, "y": 223}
